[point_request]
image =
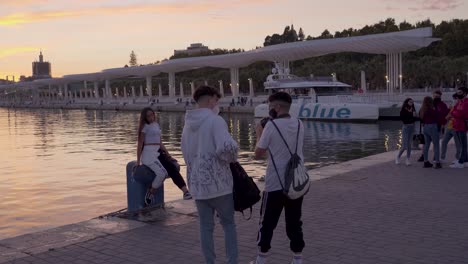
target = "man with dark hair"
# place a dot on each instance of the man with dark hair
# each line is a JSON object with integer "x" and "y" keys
{"x": 274, "y": 200}
{"x": 208, "y": 149}
{"x": 460, "y": 119}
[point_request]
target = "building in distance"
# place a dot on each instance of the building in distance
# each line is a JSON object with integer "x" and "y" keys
{"x": 194, "y": 48}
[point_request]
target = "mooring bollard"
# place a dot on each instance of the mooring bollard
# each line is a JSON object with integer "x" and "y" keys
{"x": 137, "y": 185}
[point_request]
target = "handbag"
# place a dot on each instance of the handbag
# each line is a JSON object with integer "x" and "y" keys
{"x": 245, "y": 191}
{"x": 419, "y": 138}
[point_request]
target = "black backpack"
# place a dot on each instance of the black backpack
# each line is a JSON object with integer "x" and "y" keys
{"x": 245, "y": 191}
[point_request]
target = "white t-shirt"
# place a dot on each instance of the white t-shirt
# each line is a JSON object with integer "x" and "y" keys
{"x": 152, "y": 133}
{"x": 271, "y": 139}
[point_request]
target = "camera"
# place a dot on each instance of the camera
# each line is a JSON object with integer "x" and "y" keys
{"x": 264, "y": 121}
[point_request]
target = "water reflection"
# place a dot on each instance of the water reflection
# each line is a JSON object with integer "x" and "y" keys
{"x": 65, "y": 166}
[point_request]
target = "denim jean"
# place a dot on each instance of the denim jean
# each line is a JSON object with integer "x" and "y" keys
{"x": 449, "y": 133}
{"x": 463, "y": 146}
{"x": 407, "y": 137}
{"x": 431, "y": 134}
{"x": 224, "y": 206}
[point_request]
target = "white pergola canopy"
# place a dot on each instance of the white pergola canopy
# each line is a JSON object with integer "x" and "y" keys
{"x": 385, "y": 43}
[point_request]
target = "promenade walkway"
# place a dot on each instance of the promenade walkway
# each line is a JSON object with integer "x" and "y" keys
{"x": 364, "y": 211}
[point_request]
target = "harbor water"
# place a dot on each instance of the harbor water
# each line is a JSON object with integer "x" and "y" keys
{"x": 64, "y": 166}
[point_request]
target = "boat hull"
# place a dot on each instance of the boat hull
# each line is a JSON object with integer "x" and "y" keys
{"x": 333, "y": 112}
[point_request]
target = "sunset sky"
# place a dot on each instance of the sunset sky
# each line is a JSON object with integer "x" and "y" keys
{"x": 91, "y": 35}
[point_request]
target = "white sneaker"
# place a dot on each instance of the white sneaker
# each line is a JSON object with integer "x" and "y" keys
{"x": 296, "y": 260}
{"x": 397, "y": 160}
{"x": 259, "y": 260}
{"x": 408, "y": 162}
{"x": 457, "y": 165}
{"x": 455, "y": 161}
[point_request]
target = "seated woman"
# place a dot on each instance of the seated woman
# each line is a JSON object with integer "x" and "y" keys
{"x": 149, "y": 153}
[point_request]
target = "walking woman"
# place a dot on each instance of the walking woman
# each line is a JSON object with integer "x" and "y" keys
{"x": 429, "y": 117}
{"x": 407, "y": 115}
{"x": 149, "y": 151}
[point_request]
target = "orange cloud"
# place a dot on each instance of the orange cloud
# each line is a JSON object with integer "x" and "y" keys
{"x": 162, "y": 8}
{"x": 5, "y": 52}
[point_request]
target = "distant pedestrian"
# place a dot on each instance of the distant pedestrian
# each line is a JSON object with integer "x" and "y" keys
{"x": 429, "y": 117}
{"x": 274, "y": 199}
{"x": 449, "y": 133}
{"x": 460, "y": 125}
{"x": 407, "y": 115}
{"x": 208, "y": 149}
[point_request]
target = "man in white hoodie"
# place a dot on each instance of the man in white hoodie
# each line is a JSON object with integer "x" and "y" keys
{"x": 208, "y": 149}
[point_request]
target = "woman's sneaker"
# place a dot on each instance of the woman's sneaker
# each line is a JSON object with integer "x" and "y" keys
{"x": 397, "y": 160}
{"x": 437, "y": 165}
{"x": 457, "y": 165}
{"x": 408, "y": 162}
{"x": 187, "y": 196}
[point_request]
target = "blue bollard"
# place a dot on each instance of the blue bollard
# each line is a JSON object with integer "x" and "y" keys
{"x": 138, "y": 184}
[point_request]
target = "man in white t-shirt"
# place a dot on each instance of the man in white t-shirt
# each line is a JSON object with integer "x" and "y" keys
{"x": 274, "y": 200}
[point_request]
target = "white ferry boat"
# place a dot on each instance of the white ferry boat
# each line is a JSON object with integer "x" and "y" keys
{"x": 305, "y": 91}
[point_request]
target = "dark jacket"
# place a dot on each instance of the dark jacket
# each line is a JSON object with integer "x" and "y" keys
{"x": 407, "y": 117}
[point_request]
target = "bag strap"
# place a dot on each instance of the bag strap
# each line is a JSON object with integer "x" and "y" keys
{"x": 276, "y": 169}
{"x": 281, "y": 135}
{"x": 243, "y": 216}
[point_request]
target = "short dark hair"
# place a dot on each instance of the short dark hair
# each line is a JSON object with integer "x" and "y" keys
{"x": 205, "y": 90}
{"x": 280, "y": 96}
{"x": 463, "y": 89}
{"x": 438, "y": 92}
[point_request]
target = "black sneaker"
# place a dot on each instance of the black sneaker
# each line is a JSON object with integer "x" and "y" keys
{"x": 437, "y": 165}
{"x": 427, "y": 164}
{"x": 421, "y": 159}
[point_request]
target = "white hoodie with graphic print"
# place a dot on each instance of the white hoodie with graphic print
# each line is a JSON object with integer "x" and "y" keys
{"x": 208, "y": 149}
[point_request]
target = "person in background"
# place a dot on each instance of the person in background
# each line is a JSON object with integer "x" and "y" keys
{"x": 208, "y": 149}
{"x": 449, "y": 133}
{"x": 429, "y": 117}
{"x": 407, "y": 115}
{"x": 459, "y": 114}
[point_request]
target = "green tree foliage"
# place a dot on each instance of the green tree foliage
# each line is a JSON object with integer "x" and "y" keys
{"x": 133, "y": 59}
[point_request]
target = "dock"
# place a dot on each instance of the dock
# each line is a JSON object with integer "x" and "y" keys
{"x": 362, "y": 211}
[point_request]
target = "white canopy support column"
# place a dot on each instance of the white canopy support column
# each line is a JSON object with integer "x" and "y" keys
{"x": 149, "y": 86}
{"x": 125, "y": 92}
{"x": 394, "y": 72}
{"x": 221, "y": 88}
{"x": 104, "y": 93}
{"x": 133, "y": 91}
{"x": 159, "y": 90}
{"x": 400, "y": 75}
{"x": 141, "y": 91}
{"x": 171, "y": 84}
{"x": 116, "y": 92}
{"x": 206, "y": 82}
{"x": 181, "y": 91}
{"x": 192, "y": 88}
{"x": 235, "y": 82}
{"x": 363, "y": 82}
{"x": 96, "y": 90}
{"x": 65, "y": 91}
{"x": 85, "y": 85}
{"x": 49, "y": 95}
{"x": 108, "y": 92}
{"x": 251, "y": 88}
